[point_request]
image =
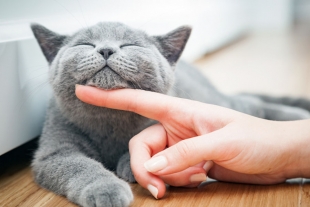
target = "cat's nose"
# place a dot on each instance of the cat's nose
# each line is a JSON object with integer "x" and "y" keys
{"x": 106, "y": 53}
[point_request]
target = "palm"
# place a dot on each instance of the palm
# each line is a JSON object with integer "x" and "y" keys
{"x": 236, "y": 163}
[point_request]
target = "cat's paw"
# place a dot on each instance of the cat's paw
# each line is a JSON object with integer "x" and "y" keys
{"x": 114, "y": 193}
{"x": 123, "y": 169}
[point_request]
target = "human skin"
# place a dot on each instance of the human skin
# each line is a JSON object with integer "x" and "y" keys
{"x": 194, "y": 138}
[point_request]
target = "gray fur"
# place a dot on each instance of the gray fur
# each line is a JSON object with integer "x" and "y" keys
{"x": 289, "y": 101}
{"x": 82, "y": 145}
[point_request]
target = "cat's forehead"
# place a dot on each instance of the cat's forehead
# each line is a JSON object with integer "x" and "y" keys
{"x": 110, "y": 31}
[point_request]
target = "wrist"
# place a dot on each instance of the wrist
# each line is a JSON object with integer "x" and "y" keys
{"x": 296, "y": 140}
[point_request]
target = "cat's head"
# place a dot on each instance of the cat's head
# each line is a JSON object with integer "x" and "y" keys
{"x": 111, "y": 55}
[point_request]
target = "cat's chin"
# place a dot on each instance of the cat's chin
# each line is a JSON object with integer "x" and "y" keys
{"x": 107, "y": 79}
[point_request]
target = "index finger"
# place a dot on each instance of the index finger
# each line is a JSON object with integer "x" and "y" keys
{"x": 149, "y": 104}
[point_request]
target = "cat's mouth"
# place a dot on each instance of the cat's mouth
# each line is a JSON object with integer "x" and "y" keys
{"x": 112, "y": 88}
{"x": 107, "y": 79}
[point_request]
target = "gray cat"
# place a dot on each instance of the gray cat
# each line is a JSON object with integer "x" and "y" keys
{"x": 83, "y": 150}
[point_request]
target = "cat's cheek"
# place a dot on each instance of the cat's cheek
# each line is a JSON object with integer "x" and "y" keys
{"x": 74, "y": 55}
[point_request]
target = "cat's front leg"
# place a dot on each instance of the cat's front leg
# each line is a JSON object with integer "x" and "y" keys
{"x": 66, "y": 163}
{"x": 80, "y": 178}
{"x": 123, "y": 169}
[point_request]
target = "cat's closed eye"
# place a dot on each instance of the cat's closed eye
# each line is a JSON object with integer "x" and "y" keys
{"x": 129, "y": 45}
{"x": 85, "y": 44}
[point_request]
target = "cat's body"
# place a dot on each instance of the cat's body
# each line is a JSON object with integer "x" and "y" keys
{"x": 81, "y": 144}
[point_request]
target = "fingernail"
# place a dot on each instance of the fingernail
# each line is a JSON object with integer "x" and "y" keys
{"x": 197, "y": 178}
{"x": 207, "y": 166}
{"x": 77, "y": 85}
{"x": 155, "y": 164}
{"x": 153, "y": 190}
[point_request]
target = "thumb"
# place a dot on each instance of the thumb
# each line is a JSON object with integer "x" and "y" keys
{"x": 186, "y": 153}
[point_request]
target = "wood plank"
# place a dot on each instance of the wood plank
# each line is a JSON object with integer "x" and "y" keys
{"x": 223, "y": 194}
{"x": 16, "y": 188}
{"x": 305, "y": 193}
{"x": 19, "y": 189}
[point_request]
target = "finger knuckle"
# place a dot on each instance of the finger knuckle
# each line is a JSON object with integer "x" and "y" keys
{"x": 185, "y": 150}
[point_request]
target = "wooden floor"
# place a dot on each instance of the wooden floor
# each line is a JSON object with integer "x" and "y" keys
{"x": 278, "y": 64}
{"x": 18, "y": 189}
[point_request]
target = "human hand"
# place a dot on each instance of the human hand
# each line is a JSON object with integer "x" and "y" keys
{"x": 243, "y": 148}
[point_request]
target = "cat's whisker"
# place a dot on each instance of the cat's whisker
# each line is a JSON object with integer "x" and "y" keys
{"x": 35, "y": 90}
{"x": 37, "y": 76}
{"x": 35, "y": 68}
{"x": 74, "y": 17}
{"x": 137, "y": 83}
{"x": 82, "y": 13}
{"x": 186, "y": 94}
{"x": 147, "y": 74}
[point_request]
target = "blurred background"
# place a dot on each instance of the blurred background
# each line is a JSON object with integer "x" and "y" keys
{"x": 256, "y": 46}
{"x": 215, "y": 23}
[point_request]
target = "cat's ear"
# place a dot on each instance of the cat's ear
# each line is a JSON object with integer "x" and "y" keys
{"x": 172, "y": 44}
{"x": 49, "y": 41}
